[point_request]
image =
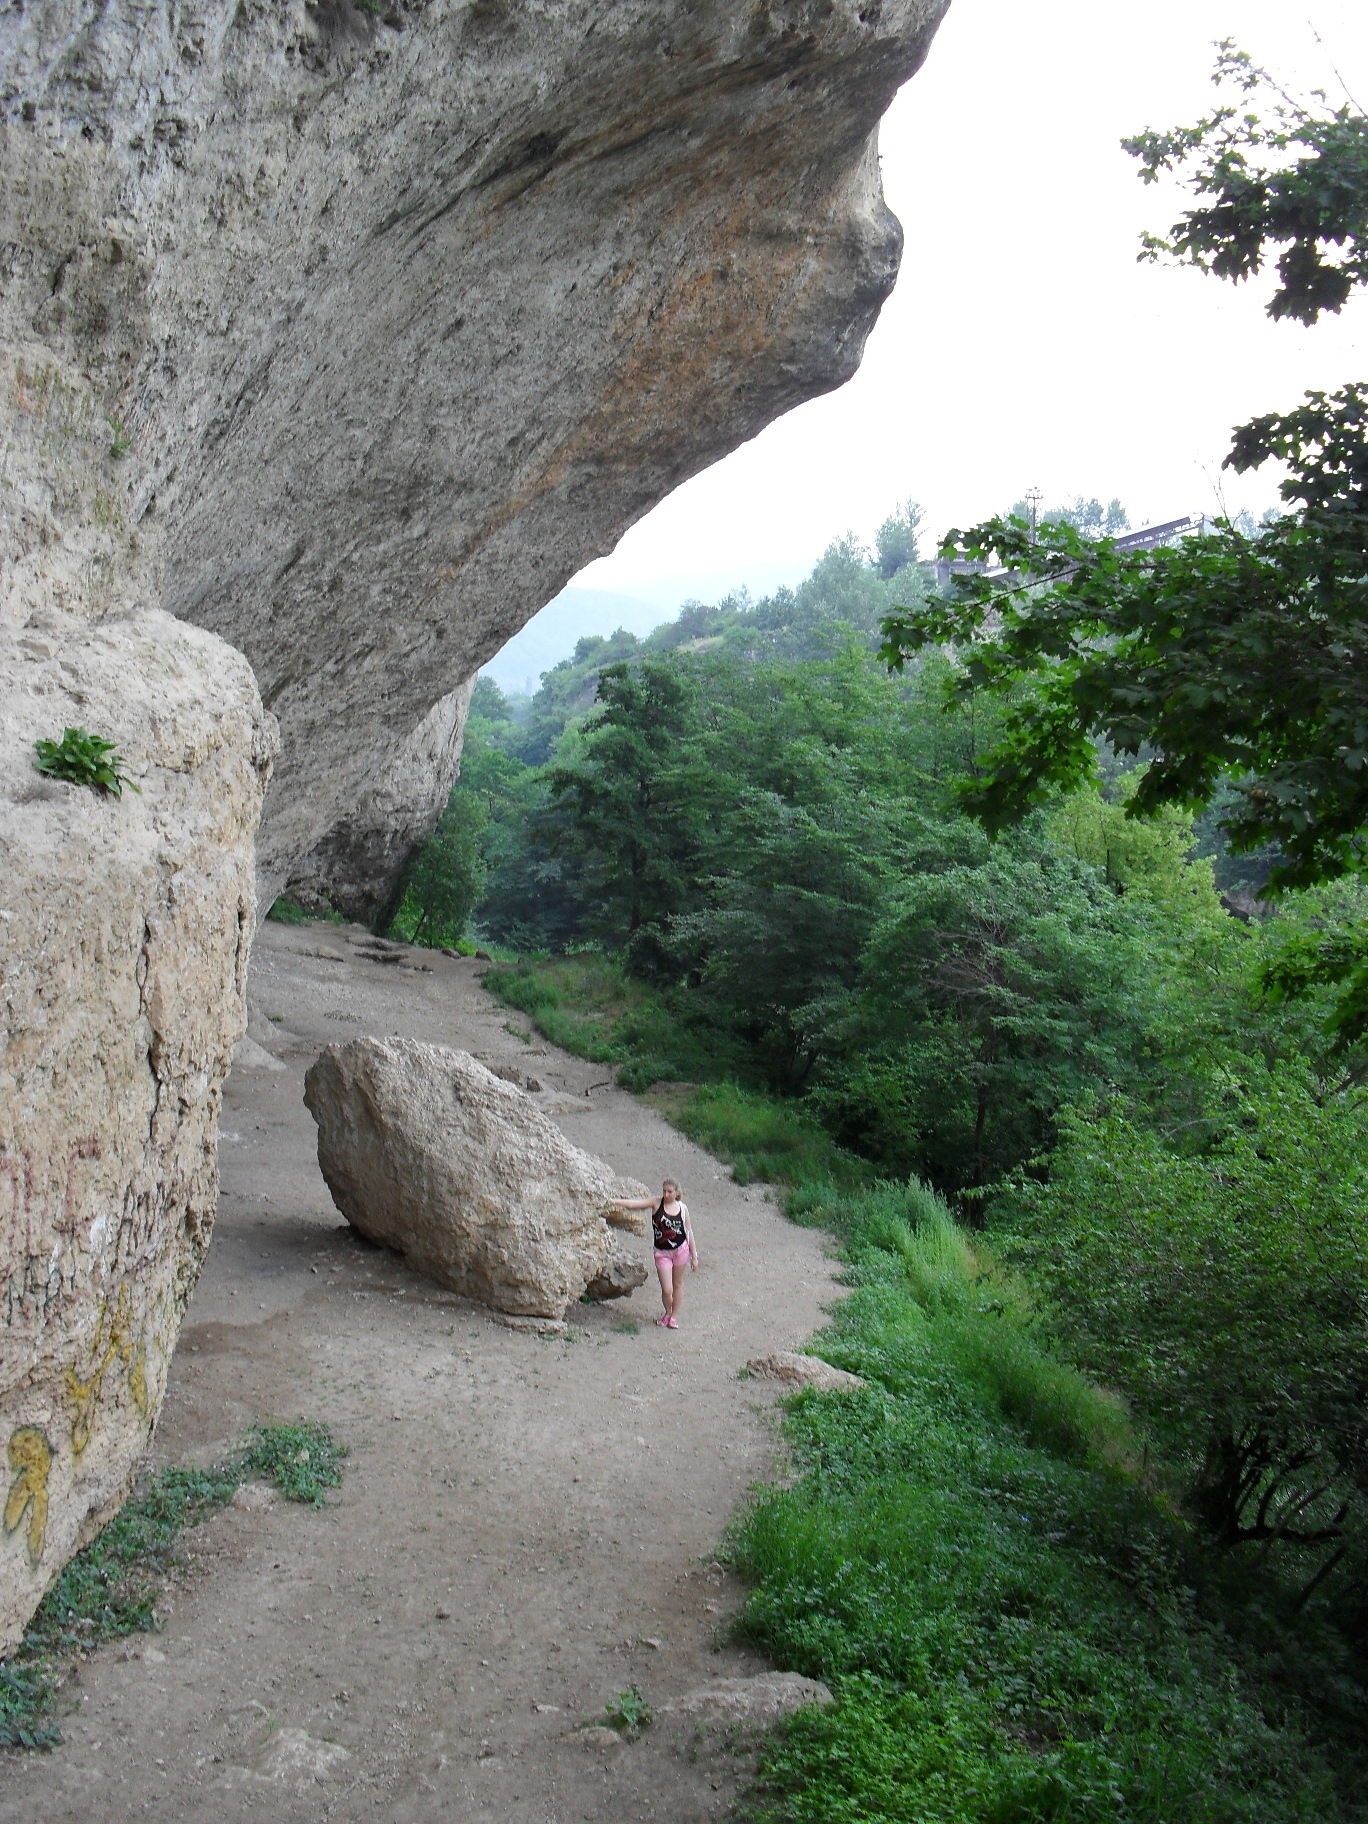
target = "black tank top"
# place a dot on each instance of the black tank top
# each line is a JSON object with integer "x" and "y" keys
{"x": 669, "y": 1231}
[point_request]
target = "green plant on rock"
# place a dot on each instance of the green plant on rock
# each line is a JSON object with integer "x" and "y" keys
{"x": 81, "y": 758}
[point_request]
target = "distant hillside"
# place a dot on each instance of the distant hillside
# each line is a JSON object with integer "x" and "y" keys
{"x": 576, "y": 612}
{"x": 552, "y": 635}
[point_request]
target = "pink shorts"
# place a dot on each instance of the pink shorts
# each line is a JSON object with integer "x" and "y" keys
{"x": 668, "y": 1256}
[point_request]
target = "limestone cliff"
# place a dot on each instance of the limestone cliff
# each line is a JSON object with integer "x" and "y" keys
{"x": 125, "y": 925}
{"x": 401, "y": 316}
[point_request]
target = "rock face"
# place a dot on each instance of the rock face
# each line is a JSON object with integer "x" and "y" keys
{"x": 125, "y": 925}
{"x": 395, "y": 317}
{"x": 426, "y": 1151}
{"x": 357, "y": 865}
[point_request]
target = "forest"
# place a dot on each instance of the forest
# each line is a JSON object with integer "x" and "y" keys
{"x": 1016, "y": 932}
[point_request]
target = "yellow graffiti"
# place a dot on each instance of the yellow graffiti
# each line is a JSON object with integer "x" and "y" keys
{"x": 113, "y": 1342}
{"x": 30, "y": 1457}
{"x": 137, "y": 1377}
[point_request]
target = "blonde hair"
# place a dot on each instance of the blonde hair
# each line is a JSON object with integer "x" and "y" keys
{"x": 672, "y": 1184}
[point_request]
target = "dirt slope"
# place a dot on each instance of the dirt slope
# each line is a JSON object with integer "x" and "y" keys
{"x": 527, "y": 1525}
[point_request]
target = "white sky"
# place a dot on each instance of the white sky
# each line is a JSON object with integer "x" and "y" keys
{"x": 1024, "y": 346}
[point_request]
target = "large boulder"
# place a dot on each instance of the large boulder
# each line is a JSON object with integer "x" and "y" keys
{"x": 125, "y": 925}
{"x": 427, "y": 1152}
{"x": 399, "y": 314}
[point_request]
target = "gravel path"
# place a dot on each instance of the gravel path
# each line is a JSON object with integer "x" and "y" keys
{"x": 527, "y": 1526}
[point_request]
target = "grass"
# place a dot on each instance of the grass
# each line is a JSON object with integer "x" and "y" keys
{"x": 304, "y": 1461}
{"x": 1016, "y": 1625}
{"x": 588, "y": 1005}
{"x": 765, "y": 1141}
{"x": 110, "y": 1589}
{"x": 287, "y": 911}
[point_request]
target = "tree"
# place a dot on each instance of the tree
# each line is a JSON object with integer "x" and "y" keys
{"x": 446, "y": 876}
{"x": 895, "y": 542}
{"x": 1223, "y": 1294}
{"x": 631, "y": 815}
{"x": 1230, "y": 656}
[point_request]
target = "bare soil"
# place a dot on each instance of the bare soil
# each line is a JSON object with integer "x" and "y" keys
{"x": 527, "y": 1526}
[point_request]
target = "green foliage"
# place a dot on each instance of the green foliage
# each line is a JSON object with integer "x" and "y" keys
{"x": 588, "y": 1004}
{"x": 80, "y": 758}
{"x": 1014, "y": 1627}
{"x": 895, "y": 544}
{"x": 764, "y": 1141}
{"x": 1310, "y": 198}
{"x": 628, "y": 1713}
{"x": 287, "y": 911}
{"x": 445, "y": 878}
{"x": 304, "y": 1460}
{"x": 120, "y": 443}
{"x": 1230, "y": 658}
{"x": 995, "y": 989}
{"x": 110, "y": 1589}
{"x": 1223, "y": 1293}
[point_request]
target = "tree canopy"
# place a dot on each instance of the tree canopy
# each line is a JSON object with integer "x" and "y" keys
{"x": 1230, "y": 656}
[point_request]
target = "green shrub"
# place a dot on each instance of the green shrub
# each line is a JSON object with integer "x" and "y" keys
{"x": 1015, "y": 1628}
{"x": 80, "y": 758}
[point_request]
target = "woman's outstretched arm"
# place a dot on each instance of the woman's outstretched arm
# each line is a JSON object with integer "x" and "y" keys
{"x": 634, "y": 1203}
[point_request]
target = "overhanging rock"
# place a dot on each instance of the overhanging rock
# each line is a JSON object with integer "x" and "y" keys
{"x": 398, "y": 321}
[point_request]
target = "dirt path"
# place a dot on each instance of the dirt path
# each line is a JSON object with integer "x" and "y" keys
{"x": 526, "y": 1525}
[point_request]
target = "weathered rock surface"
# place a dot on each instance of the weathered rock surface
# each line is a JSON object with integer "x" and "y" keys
{"x": 731, "y": 1703}
{"x": 125, "y": 925}
{"x": 359, "y": 863}
{"x": 388, "y": 320}
{"x": 804, "y": 1371}
{"x": 428, "y": 1152}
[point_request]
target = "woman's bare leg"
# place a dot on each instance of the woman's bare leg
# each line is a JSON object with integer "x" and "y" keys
{"x": 680, "y": 1263}
{"x": 665, "y": 1272}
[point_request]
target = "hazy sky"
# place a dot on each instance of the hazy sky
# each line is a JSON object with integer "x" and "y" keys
{"x": 1024, "y": 346}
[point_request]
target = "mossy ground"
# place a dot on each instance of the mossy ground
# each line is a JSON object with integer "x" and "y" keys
{"x": 110, "y": 1589}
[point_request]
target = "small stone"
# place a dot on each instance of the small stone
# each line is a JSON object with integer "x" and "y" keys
{"x": 547, "y": 1709}
{"x": 600, "y": 1736}
{"x": 444, "y": 1614}
{"x": 651, "y": 1641}
{"x": 253, "y": 1498}
{"x": 796, "y": 1370}
{"x": 732, "y": 1702}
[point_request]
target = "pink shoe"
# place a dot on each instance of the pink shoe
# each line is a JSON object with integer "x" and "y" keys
{"x": 671, "y": 1323}
{"x": 663, "y": 1319}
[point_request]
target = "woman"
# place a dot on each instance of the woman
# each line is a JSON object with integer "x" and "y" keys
{"x": 672, "y": 1237}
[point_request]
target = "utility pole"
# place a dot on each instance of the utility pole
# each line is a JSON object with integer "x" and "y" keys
{"x": 1034, "y": 497}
